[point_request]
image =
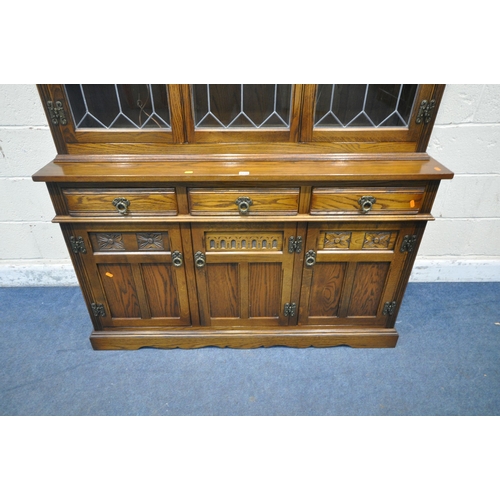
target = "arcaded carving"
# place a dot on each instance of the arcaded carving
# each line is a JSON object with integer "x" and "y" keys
{"x": 244, "y": 241}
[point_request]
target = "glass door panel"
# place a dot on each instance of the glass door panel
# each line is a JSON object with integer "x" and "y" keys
{"x": 241, "y": 105}
{"x": 239, "y": 113}
{"x": 368, "y": 118}
{"x": 364, "y": 105}
{"x": 96, "y": 118}
{"x": 119, "y": 106}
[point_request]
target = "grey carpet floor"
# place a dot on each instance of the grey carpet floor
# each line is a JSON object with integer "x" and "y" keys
{"x": 446, "y": 363}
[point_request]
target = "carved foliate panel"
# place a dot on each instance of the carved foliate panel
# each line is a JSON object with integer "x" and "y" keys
{"x": 129, "y": 241}
{"x": 150, "y": 241}
{"x": 377, "y": 240}
{"x": 357, "y": 240}
{"x": 110, "y": 241}
{"x": 340, "y": 239}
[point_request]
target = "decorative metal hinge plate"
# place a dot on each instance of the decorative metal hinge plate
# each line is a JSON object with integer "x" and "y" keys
{"x": 57, "y": 113}
{"x": 389, "y": 308}
{"x": 408, "y": 244}
{"x": 295, "y": 244}
{"x": 425, "y": 111}
{"x": 98, "y": 310}
{"x": 290, "y": 309}
{"x": 77, "y": 244}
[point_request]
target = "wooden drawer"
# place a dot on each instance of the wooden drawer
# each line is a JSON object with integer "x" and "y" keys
{"x": 121, "y": 202}
{"x": 361, "y": 200}
{"x": 254, "y": 201}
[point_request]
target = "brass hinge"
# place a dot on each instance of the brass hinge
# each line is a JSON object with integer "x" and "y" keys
{"x": 98, "y": 310}
{"x": 290, "y": 309}
{"x": 389, "y": 308}
{"x": 77, "y": 244}
{"x": 408, "y": 244}
{"x": 425, "y": 111}
{"x": 295, "y": 244}
{"x": 57, "y": 113}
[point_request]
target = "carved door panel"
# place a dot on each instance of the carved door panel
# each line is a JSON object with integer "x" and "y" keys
{"x": 351, "y": 271}
{"x": 244, "y": 273}
{"x": 137, "y": 275}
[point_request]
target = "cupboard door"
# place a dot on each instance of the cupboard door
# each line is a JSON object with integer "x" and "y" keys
{"x": 243, "y": 273}
{"x": 136, "y": 274}
{"x": 354, "y": 270}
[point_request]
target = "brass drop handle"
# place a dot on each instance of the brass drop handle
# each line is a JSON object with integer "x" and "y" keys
{"x": 199, "y": 259}
{"x": 244, "y": 203}
{"x": 366, "y": 203}
{"x": 121, "y": 205}
{"x": 310, "y": 258}
{"x": 177, "y": 259}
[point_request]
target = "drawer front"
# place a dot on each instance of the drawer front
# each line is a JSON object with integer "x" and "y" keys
{"x": 120, "y": 202}
{"x": 366, "y": 200}
{"x": 243, "y": 201}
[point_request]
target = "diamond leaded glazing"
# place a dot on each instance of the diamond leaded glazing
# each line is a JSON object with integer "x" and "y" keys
{"x": 242, "y": 105}
{"x": 364, "y": 105}
{"x": 113, "y": 106}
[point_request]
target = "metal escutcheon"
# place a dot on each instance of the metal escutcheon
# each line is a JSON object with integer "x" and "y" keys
{"x": 244, "y": 203}
{"x": 121, "y": 205}
{"x": 366, "y": 203}
{"x": 177, "y": 259}
{"x": 199, "y": 259}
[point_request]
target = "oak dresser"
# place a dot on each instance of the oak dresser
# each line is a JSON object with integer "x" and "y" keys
{"x": 242, "y": 215}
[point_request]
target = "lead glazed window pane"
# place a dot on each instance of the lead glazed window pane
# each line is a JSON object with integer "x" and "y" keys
{"x": 114, "y": 106}
{"x": 364, "y": 105}
{"x": 226, "y": 106}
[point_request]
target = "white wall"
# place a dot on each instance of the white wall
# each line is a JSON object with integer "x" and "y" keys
{"x": 463, "y": 244}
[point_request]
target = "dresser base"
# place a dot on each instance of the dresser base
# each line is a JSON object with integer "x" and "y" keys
{"x": 243, "y": 339}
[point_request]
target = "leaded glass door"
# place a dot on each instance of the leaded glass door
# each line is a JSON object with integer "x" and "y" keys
{"x": 368, "y": 117}
{"x": 115, "y": 113}
{"x": 324, "y": 118}
{"x": 243, "y": 112}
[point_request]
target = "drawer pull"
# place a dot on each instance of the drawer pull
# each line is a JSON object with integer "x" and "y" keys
{"x": 244, "y": 203}
{"x": 121, "y": 205}
{"x": 177, "y": 259}
{"x": 366, "y": 203}
{"x": 199, "y": 259}
{"x": 310, "y": 258}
